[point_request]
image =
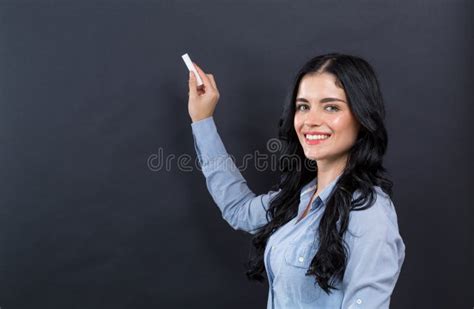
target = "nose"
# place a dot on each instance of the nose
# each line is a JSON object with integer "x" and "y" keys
{"x": 313, "y": 118}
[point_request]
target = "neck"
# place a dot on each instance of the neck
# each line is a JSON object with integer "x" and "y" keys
{"x": 328, "y": 171}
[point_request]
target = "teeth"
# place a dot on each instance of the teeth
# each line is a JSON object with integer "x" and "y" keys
{"x": 313, "y": 137}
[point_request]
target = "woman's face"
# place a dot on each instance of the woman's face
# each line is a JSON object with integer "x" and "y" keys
{"x": 322, "y": 109}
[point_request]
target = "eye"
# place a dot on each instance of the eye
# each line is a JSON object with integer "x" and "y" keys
{"x": 299, "y": 106}
{"x": 334, "y": 108}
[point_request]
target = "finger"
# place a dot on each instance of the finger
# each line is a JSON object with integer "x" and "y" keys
{"x": 192, "y": 85}
{"x": 203, "y": 75}
{"x": 213, "y": 82}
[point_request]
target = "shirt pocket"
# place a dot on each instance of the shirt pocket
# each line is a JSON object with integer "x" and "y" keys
{"x": 298, "y": 255}
{"x": 300, "y": 286}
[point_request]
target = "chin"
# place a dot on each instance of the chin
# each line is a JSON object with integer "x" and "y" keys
{"x": 312, "y": 156}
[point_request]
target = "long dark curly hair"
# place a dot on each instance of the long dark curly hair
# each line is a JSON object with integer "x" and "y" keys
{"x": 363, "y": 171}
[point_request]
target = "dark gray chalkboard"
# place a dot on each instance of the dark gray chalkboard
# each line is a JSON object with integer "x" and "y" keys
{"x": 90, "y": 91}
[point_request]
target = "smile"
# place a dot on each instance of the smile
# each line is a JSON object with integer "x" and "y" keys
{"x": 315, "y": 139}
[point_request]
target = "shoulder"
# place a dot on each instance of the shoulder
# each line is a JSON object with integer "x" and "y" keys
{"x": 377, "y": 221}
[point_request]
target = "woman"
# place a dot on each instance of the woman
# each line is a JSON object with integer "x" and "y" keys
{"x": 327, "y": 236}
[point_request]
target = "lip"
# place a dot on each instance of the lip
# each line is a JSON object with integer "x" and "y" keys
{"x": 316, "y": 141}
{"x": 316, "y": 133}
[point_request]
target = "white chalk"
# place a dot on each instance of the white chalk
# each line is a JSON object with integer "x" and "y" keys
{"x": 191, "y": 67}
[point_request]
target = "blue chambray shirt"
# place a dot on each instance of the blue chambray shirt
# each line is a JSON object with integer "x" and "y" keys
{"x": 376, "y": 249}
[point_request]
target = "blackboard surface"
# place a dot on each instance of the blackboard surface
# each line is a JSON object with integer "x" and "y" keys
{"x": 94, "y": 93}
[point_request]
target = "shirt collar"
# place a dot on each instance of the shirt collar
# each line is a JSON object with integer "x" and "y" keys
{"x": 323, "y": 196}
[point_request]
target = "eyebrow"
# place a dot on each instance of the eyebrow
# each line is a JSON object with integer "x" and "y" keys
{"x": 325, "y": 100}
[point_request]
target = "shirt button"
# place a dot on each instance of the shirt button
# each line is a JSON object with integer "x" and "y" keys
{"x": 359, "y": 301}
{"x": 301, "y": 259}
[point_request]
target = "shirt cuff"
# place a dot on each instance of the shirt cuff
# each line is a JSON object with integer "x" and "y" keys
{"x": 207, "y": 142}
